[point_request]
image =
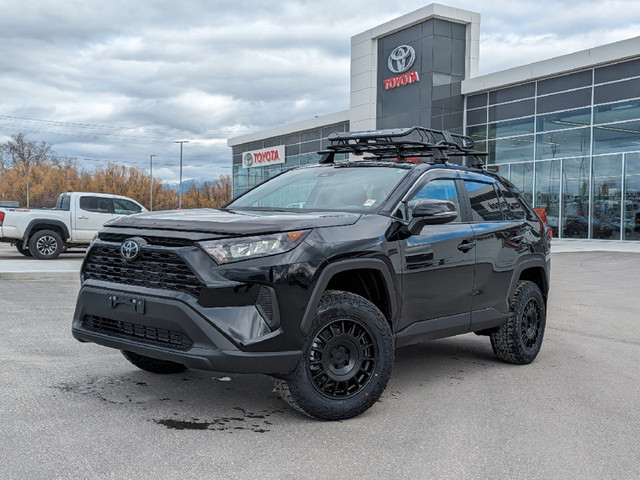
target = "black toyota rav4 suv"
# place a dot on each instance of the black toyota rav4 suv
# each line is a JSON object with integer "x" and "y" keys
{"x": 316, "y": 276}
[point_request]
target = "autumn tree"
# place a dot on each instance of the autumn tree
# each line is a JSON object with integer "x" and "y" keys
{"x": 48, "y": 176}
{"x": 211, "y": 194}
{"x": 23, "y": 155}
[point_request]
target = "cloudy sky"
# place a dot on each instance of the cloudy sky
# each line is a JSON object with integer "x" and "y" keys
{"x": 118, "y": 81}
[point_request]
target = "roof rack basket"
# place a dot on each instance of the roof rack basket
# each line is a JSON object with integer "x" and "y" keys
{"x": 424, "y": 144}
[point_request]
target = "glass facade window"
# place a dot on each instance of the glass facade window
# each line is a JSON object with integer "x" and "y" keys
{"x": 517, "y": 149}
{"x": 618, "y": 137}
{"x": 564, "y": 101}
{"x": 512, "y": 93}
{"x": 565, "y": 82}
{"x": 631, "y": 222}
{"x": 618, "y": 91}
{"x": 616, "y": 112}
{"x": 584, "y": 166}
{"x": 475, "y": 117}
{"x": 607, "y": 197}
{"x": 511, "y": 128}
{"x": 564, "y": 120}
{"x": 617, "y": 71}
{"x": 478, "y": 133}
{"x": 476, "y": 101}
{"x": 547, "y": 191}
{"x": 575, "y": 198}
{"x": 523, "y": 108}
{"x": 564, "y": 143}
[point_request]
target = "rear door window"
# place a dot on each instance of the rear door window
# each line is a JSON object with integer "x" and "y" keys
{"x": 485, "y": 203}
{"x": 95, "y": 204}
{"x": 514, "y": 203}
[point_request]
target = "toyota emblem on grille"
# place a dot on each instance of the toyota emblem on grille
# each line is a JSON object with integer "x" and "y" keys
{"x": 130, "y": 250}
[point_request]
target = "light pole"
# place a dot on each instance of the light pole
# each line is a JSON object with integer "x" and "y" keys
{"x": 28, "y": 183}
{"x": 180, "y": 186}
{"x": 151, "y": 182}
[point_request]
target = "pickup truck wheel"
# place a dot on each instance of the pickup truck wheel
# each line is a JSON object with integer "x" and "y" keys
{"x": 346, "y": 362}
{"x": 45, "y": 245}
{"x": 519, "y": 340}
{"x": 153, "y": 365}
{"x": 24, "y": 251}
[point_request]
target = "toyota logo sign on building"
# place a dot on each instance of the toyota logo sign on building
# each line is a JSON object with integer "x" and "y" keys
{"x": 400, "y": 61}
{"x": 247, "y": 160}
{"x": 263, "y": 157}
{"x": 401, "y": 58}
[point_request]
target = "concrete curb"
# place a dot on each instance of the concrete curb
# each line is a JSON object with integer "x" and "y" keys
{"x": 50, "y": 275}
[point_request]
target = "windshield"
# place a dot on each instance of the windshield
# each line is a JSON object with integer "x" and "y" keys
{"x": 336, "y": 187}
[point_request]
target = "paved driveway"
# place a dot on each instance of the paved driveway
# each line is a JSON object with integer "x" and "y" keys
{"x": 451, "y": 411}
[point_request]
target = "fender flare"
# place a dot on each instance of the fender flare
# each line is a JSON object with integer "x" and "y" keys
{"x": 40, "y": 221}
{"x": 356, "y": 264}
{"x": 525, "y": 264}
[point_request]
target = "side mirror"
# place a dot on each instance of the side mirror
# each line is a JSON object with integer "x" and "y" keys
{"x": 431, "y": 212}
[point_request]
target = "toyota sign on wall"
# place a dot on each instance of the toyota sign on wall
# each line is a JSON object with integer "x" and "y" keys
{"x": 400, "y": 62}
{"x": 263, "y": 157}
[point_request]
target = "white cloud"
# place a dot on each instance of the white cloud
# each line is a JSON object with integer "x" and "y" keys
{"x": 119, "y": 80}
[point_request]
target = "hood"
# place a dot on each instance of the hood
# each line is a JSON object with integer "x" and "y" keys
{"x": 228, "y": 222}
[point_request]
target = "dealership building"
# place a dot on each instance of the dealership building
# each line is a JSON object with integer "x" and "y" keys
{"x": 565, "y": 131}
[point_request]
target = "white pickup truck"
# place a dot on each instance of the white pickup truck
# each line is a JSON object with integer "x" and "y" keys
{"x": 45, "y": 232}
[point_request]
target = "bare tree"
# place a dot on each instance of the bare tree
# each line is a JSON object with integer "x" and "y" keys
{"x": 22, "y": 153}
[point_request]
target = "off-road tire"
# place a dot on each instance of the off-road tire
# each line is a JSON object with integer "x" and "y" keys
{"x": 519, "y": 340}
{"x": 45, "y": 244}
{"x": 153, "y": 365}
{"x": 24, "y": 251}
{"x": 346, "y": 360}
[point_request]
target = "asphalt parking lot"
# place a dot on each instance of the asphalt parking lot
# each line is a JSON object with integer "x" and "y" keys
{"x": 451, "y": 410}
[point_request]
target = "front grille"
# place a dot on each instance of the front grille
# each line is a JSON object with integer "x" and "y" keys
{"x": 142, "y": 333}
{"x": 162, "y": 241}
{"x": 152, "y": 269}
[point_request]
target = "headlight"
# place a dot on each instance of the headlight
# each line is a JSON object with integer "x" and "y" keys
{"x": 228, "y": 250}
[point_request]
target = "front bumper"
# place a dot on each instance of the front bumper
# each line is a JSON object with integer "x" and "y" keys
{"x": 174, "y": 329}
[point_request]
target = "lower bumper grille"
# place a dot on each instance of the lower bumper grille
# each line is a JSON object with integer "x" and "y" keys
{"x": 142, "y": 333}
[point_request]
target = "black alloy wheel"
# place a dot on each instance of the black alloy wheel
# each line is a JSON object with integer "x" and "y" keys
{"x": 519, "y": 340}
{"x": 531, "y": 324}
{"x": 346, "y": 361}
{"x": 341, "y": 359}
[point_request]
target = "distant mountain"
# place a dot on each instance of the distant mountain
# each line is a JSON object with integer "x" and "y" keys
{"x": 186, "y": 184}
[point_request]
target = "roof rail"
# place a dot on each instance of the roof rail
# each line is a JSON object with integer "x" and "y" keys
{"x": 400, "y": 144}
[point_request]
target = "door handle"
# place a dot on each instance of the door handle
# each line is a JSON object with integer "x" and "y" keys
{"x": 82, "y": 217}
{"x": 466, "y": 246}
